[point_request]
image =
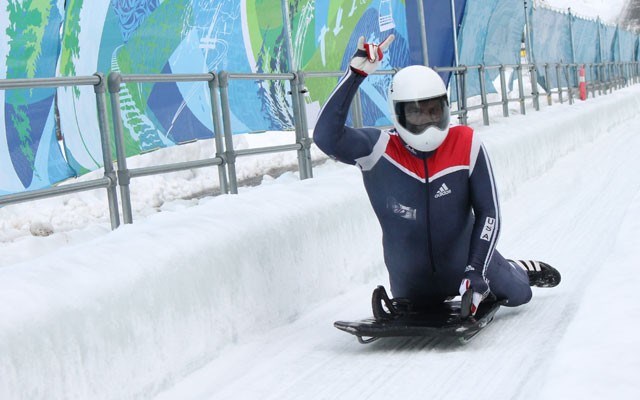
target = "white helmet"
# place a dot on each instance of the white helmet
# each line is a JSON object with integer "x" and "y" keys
{"x": 419, "y": 107}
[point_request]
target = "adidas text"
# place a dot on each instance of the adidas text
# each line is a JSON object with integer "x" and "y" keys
{"x": 443, "y": 191}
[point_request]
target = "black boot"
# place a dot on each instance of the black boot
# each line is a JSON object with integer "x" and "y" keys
{"x": 540, "y": 274}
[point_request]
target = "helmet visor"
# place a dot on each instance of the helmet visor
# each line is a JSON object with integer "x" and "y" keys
{"x": 418, "y": 115}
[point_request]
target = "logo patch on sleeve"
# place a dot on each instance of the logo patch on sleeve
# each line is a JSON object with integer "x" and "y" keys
{"x": 489, "y": 227}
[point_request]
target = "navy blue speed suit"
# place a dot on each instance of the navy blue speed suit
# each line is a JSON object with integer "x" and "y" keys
{"x": 438, "y": 211}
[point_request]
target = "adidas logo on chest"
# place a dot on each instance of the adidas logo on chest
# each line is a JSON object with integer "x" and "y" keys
{"x": 443, "y": 191}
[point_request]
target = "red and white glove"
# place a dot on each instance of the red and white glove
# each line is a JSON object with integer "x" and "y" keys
{"x": 368, "y": 56}
{"x": 474, "y": 282}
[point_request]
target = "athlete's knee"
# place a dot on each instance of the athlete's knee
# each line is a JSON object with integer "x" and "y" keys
{"x": 519, "y": 297}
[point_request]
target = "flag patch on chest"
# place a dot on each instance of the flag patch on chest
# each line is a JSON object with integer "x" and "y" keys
{"x": 401, "y": 210}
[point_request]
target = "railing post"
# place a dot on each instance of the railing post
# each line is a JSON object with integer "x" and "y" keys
{"x": 304, "y": 128}
{"x": 296, "y": 92}
{"x": 611, "y": 76}
{"x": 229, "y": 153}
{"x": 503, "y": 92}
{"x": 547, "y": 81}
{"x": 105, "y": 143}
{"x": 627, "y": 72}
{"x": 114, "y": 80}
{"x": 559, "y": 82}
{"x": 620, "y": 75}
{"x": 591, "y": 81}
{"x": 600, "y": 70}
{"x": 523, "y": 110}
{"x": 567, "y": 79}
{"x": 218, "y": 133}
{"x": 423, "y": 34}
{"x": 483, "y": 95}
{"x": 533, "y": 74}
{"x": 462, "y": 97}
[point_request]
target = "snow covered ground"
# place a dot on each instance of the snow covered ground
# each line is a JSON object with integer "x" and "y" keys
{"x": 580, "y": 212}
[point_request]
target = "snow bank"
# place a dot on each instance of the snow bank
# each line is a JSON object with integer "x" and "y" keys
{"x": 163, "y": 296}
{"x": 121, "y": 316}
{"x": 525, "y": 146}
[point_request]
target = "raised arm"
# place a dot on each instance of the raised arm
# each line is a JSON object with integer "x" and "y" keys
{"x": 331, "y": 135}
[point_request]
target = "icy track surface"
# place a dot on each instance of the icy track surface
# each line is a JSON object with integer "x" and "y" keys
{"x": 582, "y": 215}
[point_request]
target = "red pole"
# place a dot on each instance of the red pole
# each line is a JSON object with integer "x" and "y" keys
{"x": 582, "y": 85}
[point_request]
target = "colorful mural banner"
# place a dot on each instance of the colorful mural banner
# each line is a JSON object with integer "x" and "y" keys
{"x": 325, "y": 34}
{"x": 30, "y": 157}
{"x": 196, "y": 36}
{"x": 241, "y": 36}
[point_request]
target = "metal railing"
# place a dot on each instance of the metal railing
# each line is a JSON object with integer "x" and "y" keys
{"x": 602, "y": 78}
{"x": 302, "y": 143}
{"x": 560, "y": 79}
{"x": 124, "y": 173}
{"x": 108, "y": 181}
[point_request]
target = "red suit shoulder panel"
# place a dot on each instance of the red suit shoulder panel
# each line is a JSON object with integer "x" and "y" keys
{"x": 454, "y": 152}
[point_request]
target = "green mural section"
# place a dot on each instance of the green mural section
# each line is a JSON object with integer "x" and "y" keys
{"x": 187, "y": 36}
{"x": 174, "y": 37}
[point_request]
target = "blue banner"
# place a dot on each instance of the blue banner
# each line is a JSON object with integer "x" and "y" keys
{"x": 504, "y": 39}
{"x": 607, "y": 42}
{"x": 551, "y": 36}
{"x": 585, "y": 39}
{"x": 551, "y": 43}
{"x": 439, "y": 31}
{"x": 626, "y": 45}
{"x": 491, "y": 35}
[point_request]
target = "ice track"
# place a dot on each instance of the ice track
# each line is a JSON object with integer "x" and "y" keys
{"x": 578, "y": 215}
